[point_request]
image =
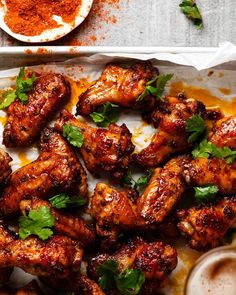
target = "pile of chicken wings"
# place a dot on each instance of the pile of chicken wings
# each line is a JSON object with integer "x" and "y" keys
{"x": 135, "y": 229}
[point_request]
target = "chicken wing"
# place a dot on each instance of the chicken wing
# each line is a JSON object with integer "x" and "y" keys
{"x": 202, "y": 171}
{"x": 157, "y": 260}
{"x": 56, "y": 170}
{"x": 25, "y": 121}
{"x": 118, "y": 85}
{"x": 5, "y": 169}
{"x": 58, "y": 256}
{"x": 223, "y": 132}
{"x": 66, "y": 224}
{"x": 103, "y": 149}
{"x": 205, "y": 227}
{"x": 171, "y": 137}
{"x": 30, "y": 289}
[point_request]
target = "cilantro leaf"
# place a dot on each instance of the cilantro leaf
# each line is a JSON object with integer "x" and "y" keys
{"x": 190, "y": 9}
{"x": 106, "y": 114}
{"x": 63, "y": 201}
{"x": 38, "y": 222}
{"x": 73, "y": 134}
{"x": 128, "y": 282}
{"x": 207, "y": 149}
{"x": 140, "y": 182}
{"x": 196, "y": 126}
{"x": 206, "y": 193}
{"x": 158, "y": 89}
{"x": 8, "y": 97}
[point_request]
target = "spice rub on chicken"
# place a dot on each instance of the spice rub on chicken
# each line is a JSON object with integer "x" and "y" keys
{"x": 5, "y": 168}
{"x": 56, "y": 170}
{"x": 103, "y": 149}
{"x": 117, "y": 85}
{"x": 26, "y": 119}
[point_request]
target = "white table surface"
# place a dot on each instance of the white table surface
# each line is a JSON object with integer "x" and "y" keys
{"x": 153, "y": 23}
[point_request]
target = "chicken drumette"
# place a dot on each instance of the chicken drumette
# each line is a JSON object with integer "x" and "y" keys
{"x": 56, "y": 170}
{"x": 103, "y": 149}
{"x": 5, "y": 169}
{"x": 58, "y": 256}
{"x": 206, "y": 226}
{"x": 157, "y": 260}
{"x": 25, "y": 121}
{"x": 66, "y": 224}
{"x": 118, "y": 85}
{"x": 171, "y": 137}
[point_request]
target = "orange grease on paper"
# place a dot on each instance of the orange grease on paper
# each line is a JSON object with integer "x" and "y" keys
{"x": 24, "y": 160}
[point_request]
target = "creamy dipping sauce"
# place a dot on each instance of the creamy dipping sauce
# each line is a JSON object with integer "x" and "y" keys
{"x": 214, "y": 274}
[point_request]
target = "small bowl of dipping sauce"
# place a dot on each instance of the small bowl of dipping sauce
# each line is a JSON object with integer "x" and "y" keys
{"x": 38, "y": 21}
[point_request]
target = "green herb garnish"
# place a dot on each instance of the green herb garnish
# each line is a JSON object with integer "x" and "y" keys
{"x": 128, "y": 282}
{"x": 197, "y": 127}
{"x": 190, "y": 9}
{"x": 205, "y": 193}
{"x": 142, "y": 181}
{"x": 73, "y": 134}
{"x": 207, "y": 149}
{"x": 106, "y": 114}
{"x": 38, "y": 222}
{"x": 23, "y": 85}
{"x": 158, "y": 89}
{"x": 62, "y": 201}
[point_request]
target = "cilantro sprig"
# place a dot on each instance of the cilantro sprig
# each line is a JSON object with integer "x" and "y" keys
{"x": 128, "y": 282}
{"x": 207, "y": 149}
{"x": 106, "y": 114}
{"x": 62, "y": 201}
{"x": 23, "y": 86}
{"x": 38, "y": 222}
{"x": 190, "y": 9}
{"x": 158, "y": 89}
{"x": 205, "y": 193}
{"x": 141, "y": 182}
{"x": 73, "y": 134}
{"x": 196, "y": 126}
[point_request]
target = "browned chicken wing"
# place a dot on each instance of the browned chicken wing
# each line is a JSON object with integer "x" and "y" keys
{"x": 223, "y": 133}
{"x": 25, "y": 121}
{"x": 157, "y": 260}
{"x": 118, "y": 85}
{"x": 58, "y": 256}
{"x": 202, "y": 171}
{"x": 56, "y": 170}
{"x": 5, "y": 169}
{"x": 206, "y": 226}
{"x": 30, "y": 289}
{"x": 171, "y": 137}
{"x": 103, "y": 149}
{"x": 66, "y": 224}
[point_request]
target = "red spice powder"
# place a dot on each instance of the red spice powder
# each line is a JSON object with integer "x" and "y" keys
{"x": 32, "y": 17}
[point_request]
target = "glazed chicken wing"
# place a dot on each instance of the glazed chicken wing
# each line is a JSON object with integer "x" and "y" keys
{"x": 5, "y": 169}
{"x": 205, "y": 227}
{"x": 57, "y": 170}
{"x": 25, "y": 121}
{"x": 30, "y": 289}
{"x": 58, "y": 256}
{"x": 103, "y": 149}
{"x": 118, "y": 85}
{"x": 223, "y": 133}
{"x": 202, "y": 171}
{"x": 157, "y": 260}
{"x": 171, "y": 137}
{"x": 66, "y": 224}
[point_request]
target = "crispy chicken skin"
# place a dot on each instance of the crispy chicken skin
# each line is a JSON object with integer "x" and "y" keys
{"x": 103, "y": 149}
{"x": 118, "y": 85}
{"x": 205, "y": 227}
{"x": 5, "y": 169}
{"x": 30, "y": 289}
{"x": 171, "y": 137}
{"x": 58, "y": 256}
{"x": 25, "y": 121}
{"x": 56, "y": 170}
{"x": 163, "y": 191}
{"x": 202, "y": 171}
{"x": 223, "y": 132}
{"x": 66, "y": 224}
{"x": 157, "y": 260}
